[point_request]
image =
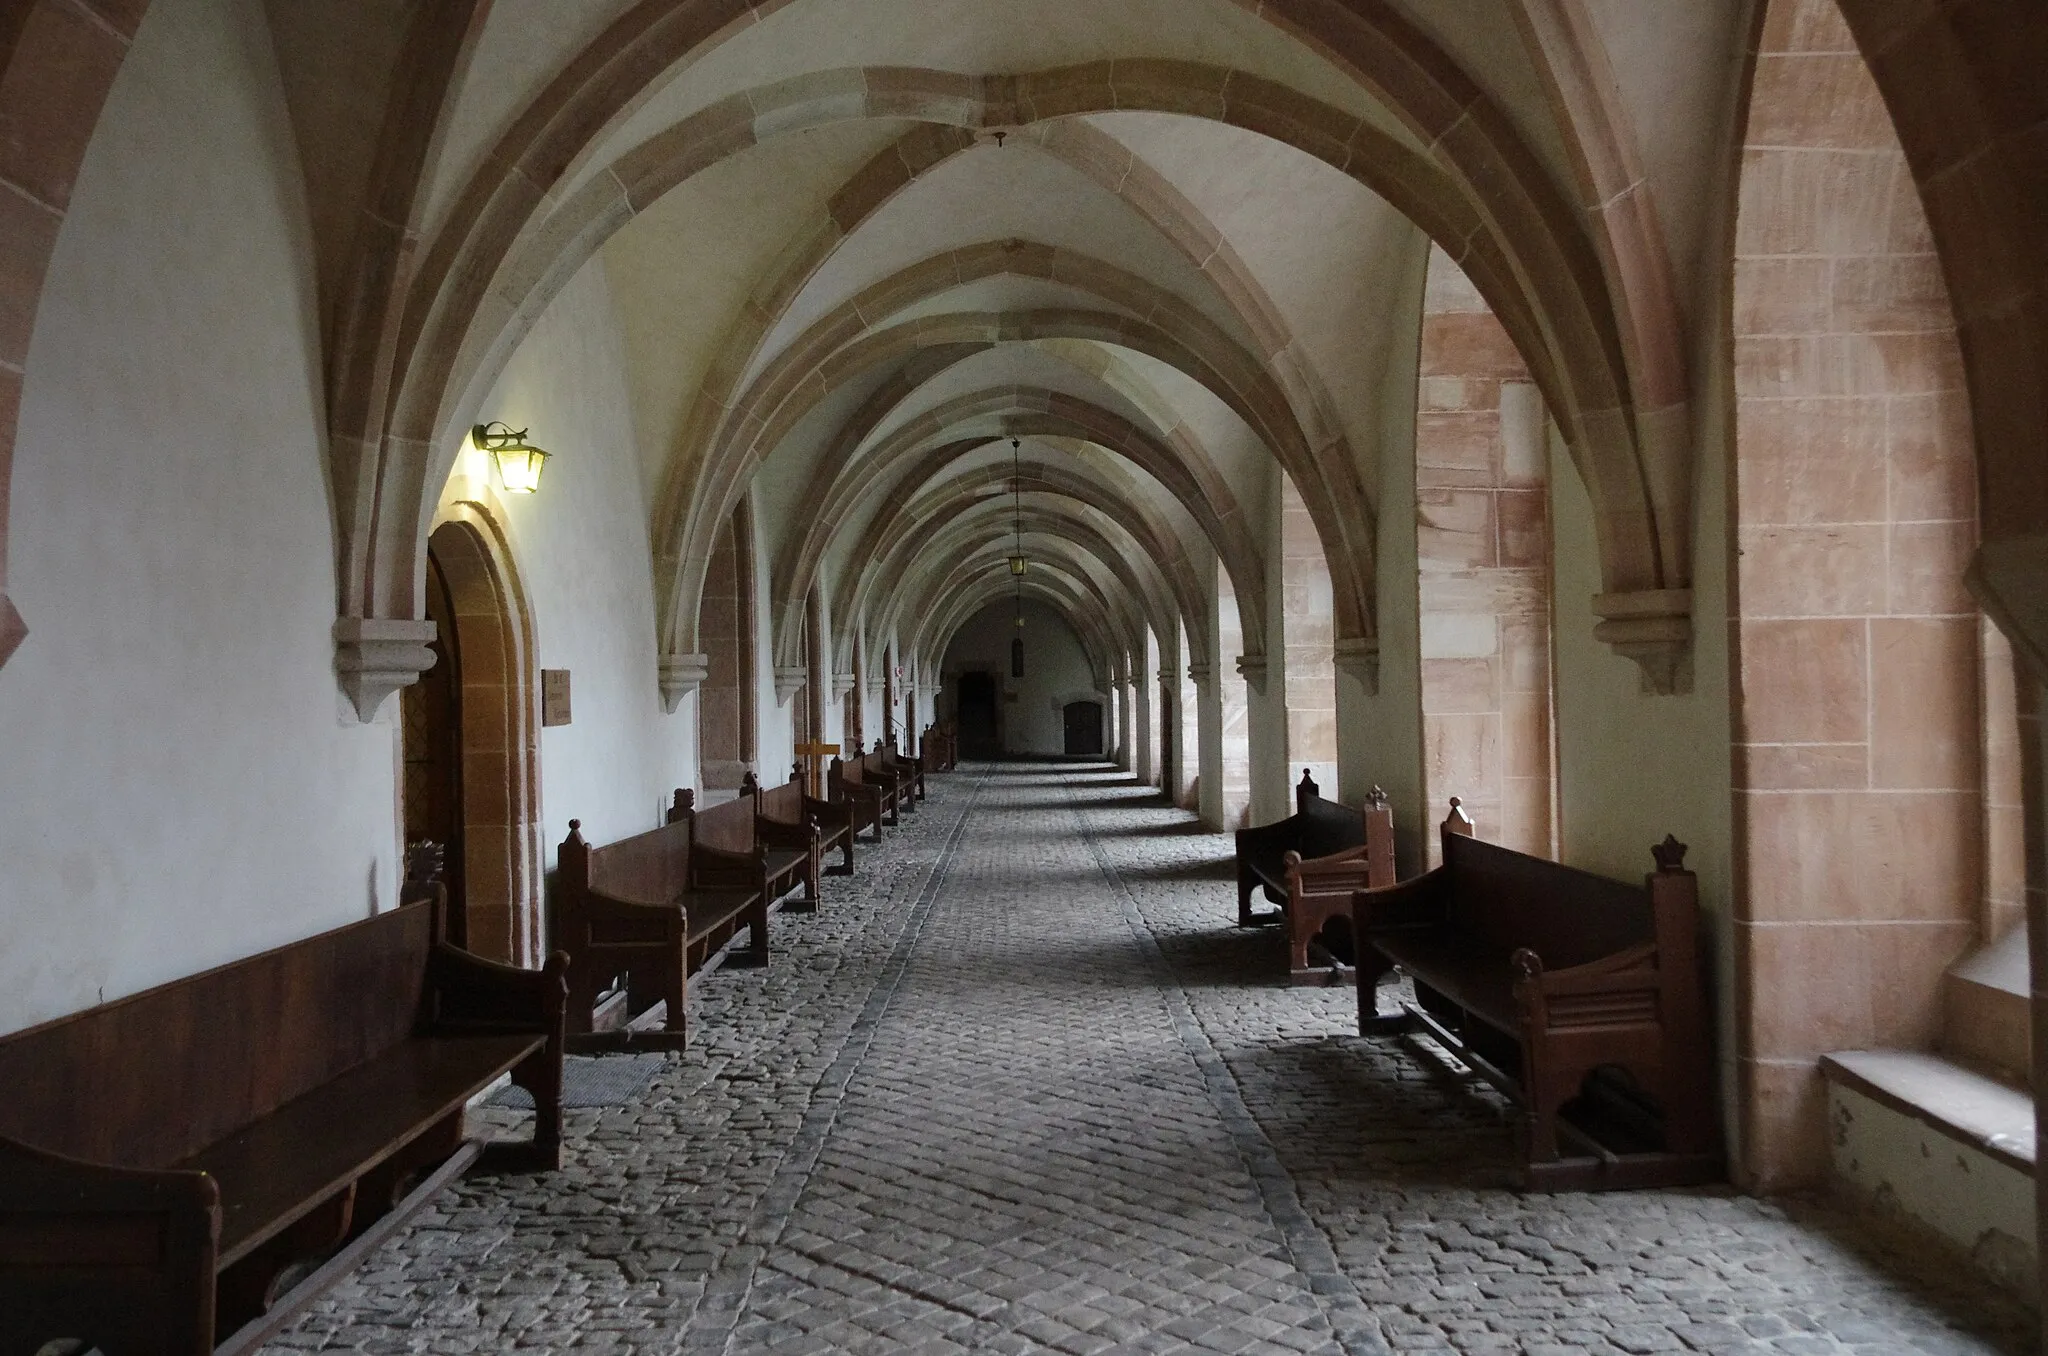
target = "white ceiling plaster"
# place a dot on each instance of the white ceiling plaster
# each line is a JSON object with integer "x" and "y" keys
{"x": 1331, "y": 262}
{"x": 523, "y": 45}
{"x": 1007, "y": 365}
{"x": 976, "y": 37}
{"x": 995, "y": 193}
{"x": 683, "y": 269}
{"x": 1004, "y": 292}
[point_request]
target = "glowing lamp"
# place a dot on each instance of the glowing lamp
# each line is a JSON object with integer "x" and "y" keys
{"x": 1017, "y": 566}
{"x": 519, "y": 462}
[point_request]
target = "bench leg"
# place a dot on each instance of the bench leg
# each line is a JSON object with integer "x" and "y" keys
{"x": 1372, "y": 967}
{"x": 845, "y": 867}
{"x": 675, "y": 984}
{"x": 1245, "y": 884}
{"x": 757, "y": 926}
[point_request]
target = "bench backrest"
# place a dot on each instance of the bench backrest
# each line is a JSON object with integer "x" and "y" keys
{"x": 1510, "y": 899}
{"x": 148, "y": 1080}
{"x": 784, "y": 804}
{"x": 646, "y": 868}
{"x": 728, "y": 827}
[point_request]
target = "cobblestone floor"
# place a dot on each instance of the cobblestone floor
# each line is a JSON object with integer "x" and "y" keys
{"x": 1020, "y": 1086}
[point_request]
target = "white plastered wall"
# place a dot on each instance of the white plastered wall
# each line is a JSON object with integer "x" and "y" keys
{"x": 582, "y": 551}
{"x": 1056, "y": 670}
{"x": 184, "y": 784}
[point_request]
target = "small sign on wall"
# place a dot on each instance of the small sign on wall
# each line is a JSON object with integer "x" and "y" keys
{"x": 554, "y": 696}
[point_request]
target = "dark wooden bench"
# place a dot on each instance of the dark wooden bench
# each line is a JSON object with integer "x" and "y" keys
{"x": 183, "y": 1170}
{"x": 1581, "y": 997}
{"x": 859, "y": 780}
{"x": 1319, "y": 889}
{"x": 864, "y": 804}
{"x": 902, "y": 765}
{"x": 789, "y": 805}
{"x": 1317, "y": 828}
{"x": 938, "y": 748}
{"x": 785, "y": 856}
{"x": 897, "y": 779}
{"x": 643, "y": 914}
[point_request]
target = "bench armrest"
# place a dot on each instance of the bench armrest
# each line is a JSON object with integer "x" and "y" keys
{"x": 1414, "y": 903}
{"x": 471, "y": 994}
{"x": 1319, "y": 872}
{"x": 126, "y": 1255}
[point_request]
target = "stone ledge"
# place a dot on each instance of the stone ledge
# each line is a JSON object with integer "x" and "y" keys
{"x": 1968, "y": 1107}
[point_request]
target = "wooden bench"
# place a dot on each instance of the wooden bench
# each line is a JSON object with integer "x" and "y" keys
{"x": 183, "y": 1170}
{"x": 789, "y": 805}
{"x": 902, "y": 766}
{"x": 785, "y": 856}
{"x": 860, "y": 778}
{"x": 864, "y": 804}
{"x": 1317, "y": 828}
{"x": 1580, "y": 997}
{"x": 645, "y": 913}
{"x": 939, "y": 749}
{"x": 1319, "y": 889}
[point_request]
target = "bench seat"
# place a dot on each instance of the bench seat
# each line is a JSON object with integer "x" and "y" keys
{"x": 1478, "y": 979}
{"x": 276, "y": 1170}
{"x": 1582, "y": 998}
{"x": 184, "y": 1169}
{"x": 714, "y": 916}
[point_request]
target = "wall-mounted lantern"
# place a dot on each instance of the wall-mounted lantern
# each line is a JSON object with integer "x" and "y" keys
{"x": 519, "y": 462}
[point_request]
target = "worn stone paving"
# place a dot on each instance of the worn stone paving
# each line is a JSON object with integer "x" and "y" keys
{"x": 1021, "y": 1086}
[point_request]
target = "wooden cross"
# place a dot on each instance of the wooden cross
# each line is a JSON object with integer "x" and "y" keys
{"x": 814, "y": 756}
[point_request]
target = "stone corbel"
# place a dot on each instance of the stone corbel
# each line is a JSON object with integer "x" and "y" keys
{"x": 1654, "y": 628}
{"x": 1253, "y": 668}
{"x": 1201, "y": 673}
{"x": 1358, "y": 658}
{"x": 789, "y": 680}
{"x": 680, "y": 676}
{"x": 842, "y": 683}
{"x": 376, "y": 656}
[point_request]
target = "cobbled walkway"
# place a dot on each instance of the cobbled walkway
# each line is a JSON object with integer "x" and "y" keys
{"x": 1020, "y": 1086}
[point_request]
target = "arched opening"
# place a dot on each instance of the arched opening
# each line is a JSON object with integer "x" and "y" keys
{"x": 726, "y": 725}
{"x": 1306, "y": 646}
{"x": 471, "y": 744}
{"x": 1482, "y": 522}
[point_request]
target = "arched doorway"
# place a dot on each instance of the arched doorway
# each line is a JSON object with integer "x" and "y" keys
{"x": 976, "y": 716}
{"x": 471, "y": 744}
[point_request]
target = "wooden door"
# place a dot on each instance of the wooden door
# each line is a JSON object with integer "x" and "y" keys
{"x": 430, "y": 714}
{"x": 1084, "y": 729}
